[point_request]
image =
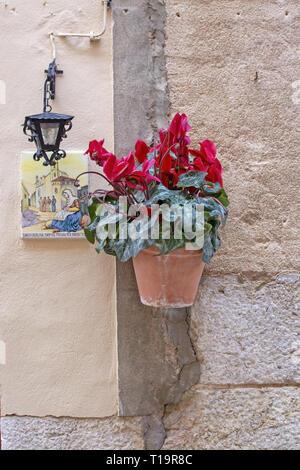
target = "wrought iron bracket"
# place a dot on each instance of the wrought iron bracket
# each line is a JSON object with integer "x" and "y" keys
{"x": 49, "y": 86}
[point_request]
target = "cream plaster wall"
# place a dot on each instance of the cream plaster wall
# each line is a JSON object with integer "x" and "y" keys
{"x": 57, "y": 297}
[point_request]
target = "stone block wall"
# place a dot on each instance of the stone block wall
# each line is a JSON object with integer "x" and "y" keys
{"x": 233, "y": 68}
{"x": 247, "y": 343}
{"x": 49, "y": 433}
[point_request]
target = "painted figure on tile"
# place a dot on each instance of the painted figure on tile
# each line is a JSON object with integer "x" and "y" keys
{"x": 44, "y": 204}
{"x": 53, "y": 204}
{"x": 48, "y": 204}
{"x": 70, "y": 219}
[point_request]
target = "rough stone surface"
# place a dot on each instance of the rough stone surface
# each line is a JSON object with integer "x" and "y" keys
{"x": 141, "y": 102}
{"x": 214, "y": 49}
{"x": 247, "y": 331}
{"x": 248, "y": 419}
{"x": 160, "y": 364}
{"x": 140, "y": 106}
{"x": 160, "y": 106}
{"x": 27, "y": 433}
{"x": 233, "y": 68}
{"x": 154, "y": 432}
{"x": 157, "y": 363}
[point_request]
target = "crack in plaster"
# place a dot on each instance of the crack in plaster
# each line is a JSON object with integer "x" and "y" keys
{"x": 175, "y": 324}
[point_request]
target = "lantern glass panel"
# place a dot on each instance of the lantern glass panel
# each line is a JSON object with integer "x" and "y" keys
{"x": 49, "y": 132}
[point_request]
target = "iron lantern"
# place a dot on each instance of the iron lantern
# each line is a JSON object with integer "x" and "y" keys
{"x": 48, "y": 129}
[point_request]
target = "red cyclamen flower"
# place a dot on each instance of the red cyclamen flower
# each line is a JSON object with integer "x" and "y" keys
{"x": 141, "y": 150}
{"x": 207, "y": 152}
{"x": 179, "y": 127}
{"x": 97, "y": 152}
{"x": 214, "y": 173}
{"x": 115, "y": 169}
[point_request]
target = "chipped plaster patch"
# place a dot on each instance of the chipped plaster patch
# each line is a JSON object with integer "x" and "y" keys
{"x": 2, "y": 92}
{"x": 295, "y": 357}
{"x": 2, "y": 352}
{"x": 296, "y": 94}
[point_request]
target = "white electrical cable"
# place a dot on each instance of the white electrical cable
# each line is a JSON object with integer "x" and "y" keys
{"x": 93, "y": 36}
{"x": 53, "y": 46}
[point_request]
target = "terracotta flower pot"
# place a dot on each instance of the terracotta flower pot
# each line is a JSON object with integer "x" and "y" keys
{"x": 168, "y": 281}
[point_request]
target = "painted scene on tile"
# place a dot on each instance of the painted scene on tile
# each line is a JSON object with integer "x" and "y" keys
{"x": 52, "y": 206}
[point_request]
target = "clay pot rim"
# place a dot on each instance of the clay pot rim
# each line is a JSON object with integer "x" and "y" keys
{"x": 153, "y": 250}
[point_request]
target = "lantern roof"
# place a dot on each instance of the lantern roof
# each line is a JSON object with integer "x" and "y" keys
{"x": 47, "y": 116}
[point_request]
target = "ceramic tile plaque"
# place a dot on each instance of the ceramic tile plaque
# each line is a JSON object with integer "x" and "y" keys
{"x": 51, "y": 205}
